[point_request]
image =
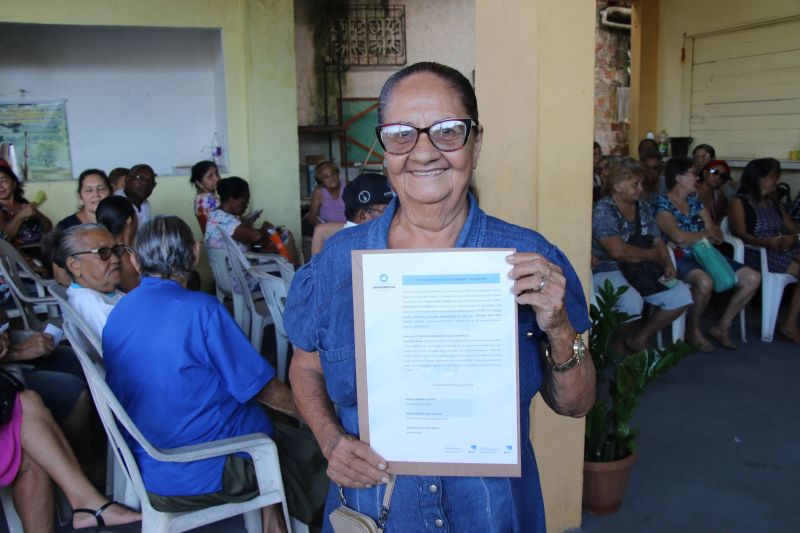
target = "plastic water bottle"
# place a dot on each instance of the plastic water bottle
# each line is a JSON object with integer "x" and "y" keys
{"x": 216, "y": 149}
{"x": 663, "y": 143}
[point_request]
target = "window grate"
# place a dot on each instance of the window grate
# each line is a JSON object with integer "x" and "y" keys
{"x": 364, "y": 35}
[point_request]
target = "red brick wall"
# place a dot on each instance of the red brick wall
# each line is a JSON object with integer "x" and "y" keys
{"x": 610, "y": 72}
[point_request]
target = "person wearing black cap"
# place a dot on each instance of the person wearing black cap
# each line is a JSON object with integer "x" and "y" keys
{"x": 365, "y": 198}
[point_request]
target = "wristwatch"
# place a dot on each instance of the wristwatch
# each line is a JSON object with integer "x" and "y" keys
{"x": 578, "y": 349}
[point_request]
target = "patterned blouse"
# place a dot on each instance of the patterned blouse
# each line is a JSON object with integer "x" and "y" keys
{"x": 204, "y": 204}
{"x": 690, "y": 222}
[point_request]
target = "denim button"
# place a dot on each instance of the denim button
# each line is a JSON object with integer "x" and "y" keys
{"x": 529, "y": 334}
{"x": 432, "y": 488}
{"x": 438, "y": 522}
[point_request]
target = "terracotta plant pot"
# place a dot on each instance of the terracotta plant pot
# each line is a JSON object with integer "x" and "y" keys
{"x": 604, "y": 484}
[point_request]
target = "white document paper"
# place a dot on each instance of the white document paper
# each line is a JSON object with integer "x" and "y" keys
{"x": 440, "y": 336}
{"x": 55, "y": 332}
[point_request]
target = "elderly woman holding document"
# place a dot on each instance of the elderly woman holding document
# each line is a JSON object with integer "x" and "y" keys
{"x": 430, "y": 133}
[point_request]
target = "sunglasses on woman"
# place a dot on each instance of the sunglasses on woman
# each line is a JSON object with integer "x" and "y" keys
{"x": 105, "y": 252}
{"x": 447, "y": 135}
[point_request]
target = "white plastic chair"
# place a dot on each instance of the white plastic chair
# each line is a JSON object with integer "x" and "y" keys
{"x": 259, "y": 315}
{"x": 14, "y": 269}
{"x": 679, "y": 324}
{"x": 772, "y": 286}
{"x": 738, "y": 256}
{"x": 258, "y": 445}
{"x": 116, "y": 478}
{"x": 218, "y": 260}
{"x": 275, "y": 290}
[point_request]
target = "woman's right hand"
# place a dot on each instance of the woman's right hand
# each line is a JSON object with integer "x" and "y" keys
{"x": 353, "y": 464}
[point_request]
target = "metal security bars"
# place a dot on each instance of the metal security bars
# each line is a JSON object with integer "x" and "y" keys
{"x": 366, "y": 35}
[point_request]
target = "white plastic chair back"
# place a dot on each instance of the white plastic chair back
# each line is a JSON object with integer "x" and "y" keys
{"x": 14, "y": 269}
{"x": 258, "y": 317}
{"x": 275, "y": 290}
{"x": 218, "y": 260}
{"x": 258, "y": 445}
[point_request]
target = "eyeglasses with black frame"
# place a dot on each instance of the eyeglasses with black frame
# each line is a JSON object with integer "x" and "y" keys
{"x": 105, "y": 252}
{"x": 448, "y": 135}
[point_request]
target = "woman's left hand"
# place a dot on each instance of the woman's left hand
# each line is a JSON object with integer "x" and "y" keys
{"x": 542, "y": 285}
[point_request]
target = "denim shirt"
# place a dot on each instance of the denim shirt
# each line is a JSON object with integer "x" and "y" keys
{"x": 319, "y": 317}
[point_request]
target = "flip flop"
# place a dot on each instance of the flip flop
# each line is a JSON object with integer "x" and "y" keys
{"x": 101, "y": 524}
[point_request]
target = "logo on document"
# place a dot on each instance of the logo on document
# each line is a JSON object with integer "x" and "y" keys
{"x": 384, "y": 278}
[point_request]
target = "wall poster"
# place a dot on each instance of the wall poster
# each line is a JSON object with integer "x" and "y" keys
{"x": 38, "y": 131}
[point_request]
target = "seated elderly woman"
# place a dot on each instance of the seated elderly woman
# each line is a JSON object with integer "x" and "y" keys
{"x": 234, "y": 197}
{"x": 93, "y": 186}
{"x": 684, "y": 220}
{"x": 618, "y": 220}
{"x": 760, "y": 220}
{"x": 186, "y": 374}
{"x": 33, "y": 454}
{"x": 119, "y": 217}
{"x": 431, "y": 135}
{"x": 23, "y": 222}
{"x": 90, "y": 256}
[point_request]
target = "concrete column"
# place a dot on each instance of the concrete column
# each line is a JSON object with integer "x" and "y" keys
{"x": 272, "y": 111}
{"x": 535, "y": 85}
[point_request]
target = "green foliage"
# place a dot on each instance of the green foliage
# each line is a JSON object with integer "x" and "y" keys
{"x": 621, "y": 380}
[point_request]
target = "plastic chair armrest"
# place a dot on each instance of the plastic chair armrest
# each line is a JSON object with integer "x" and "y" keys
{"x": 738, "y": 246}
{"x": 250, "y": 444}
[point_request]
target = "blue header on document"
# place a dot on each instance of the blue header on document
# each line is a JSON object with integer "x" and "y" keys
{"x": 451, "y": 279}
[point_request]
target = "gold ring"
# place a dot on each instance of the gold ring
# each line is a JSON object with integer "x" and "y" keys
{"x": 549, "y": 270}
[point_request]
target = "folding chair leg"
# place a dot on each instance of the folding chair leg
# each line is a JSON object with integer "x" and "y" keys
{"x": 13, "y": 523}
{"x": 252, "y": 521}
{"x": 742, "y": 325}
{"x": 769, "y": 315}
{"x": 679, "y": 328}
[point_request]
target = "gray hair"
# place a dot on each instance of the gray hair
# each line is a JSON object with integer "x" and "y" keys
{"x": 164, "y": 248}
{"x": 63, "y": 243}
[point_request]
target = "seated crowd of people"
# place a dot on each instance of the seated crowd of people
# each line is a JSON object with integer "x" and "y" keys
{"x": 128, "y": 274}
{"x": 650, "y": 217}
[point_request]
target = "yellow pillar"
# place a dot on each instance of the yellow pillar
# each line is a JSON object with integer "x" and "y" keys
{"x": 644, "y": 71}
{"x": 535, "y": 85}
{"x": 272, "y": 111}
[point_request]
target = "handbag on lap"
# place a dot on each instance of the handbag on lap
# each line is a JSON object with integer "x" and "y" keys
{"x": 714, "y": 264}
{"x": 642, "y": 275}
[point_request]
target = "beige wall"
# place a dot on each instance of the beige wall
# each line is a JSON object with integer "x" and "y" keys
{"x": 535, "y": 84}
{"x": 442, "y": 31}
{"x": 679, "y": 17}
{"x": 258, "y": 48}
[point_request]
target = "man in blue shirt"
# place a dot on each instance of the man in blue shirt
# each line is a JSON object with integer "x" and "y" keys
{"x": 186, "y": 374}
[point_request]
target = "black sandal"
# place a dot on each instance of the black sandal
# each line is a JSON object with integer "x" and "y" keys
{"x": 98, "y": 515}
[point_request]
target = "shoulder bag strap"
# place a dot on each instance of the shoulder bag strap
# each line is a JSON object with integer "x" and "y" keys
{"x": 387, "y": 498}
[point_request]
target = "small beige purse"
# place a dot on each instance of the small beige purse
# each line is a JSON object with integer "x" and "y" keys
{"x": 346, "y": 520}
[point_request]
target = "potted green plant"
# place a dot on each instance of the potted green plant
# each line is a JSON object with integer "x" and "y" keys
{"x": 610, "y": 441}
